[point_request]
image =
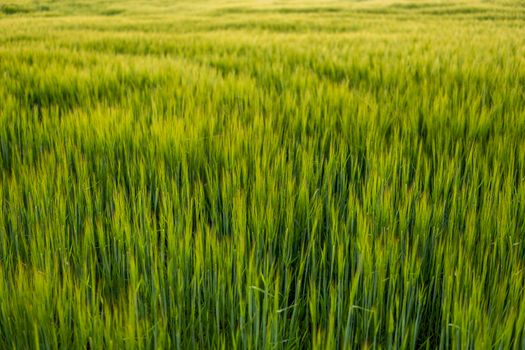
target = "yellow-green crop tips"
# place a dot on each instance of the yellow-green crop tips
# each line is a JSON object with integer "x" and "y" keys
{"x": 262, "y": 174}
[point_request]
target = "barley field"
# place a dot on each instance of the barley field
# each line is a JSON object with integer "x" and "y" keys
{"x": 262, "y": 174}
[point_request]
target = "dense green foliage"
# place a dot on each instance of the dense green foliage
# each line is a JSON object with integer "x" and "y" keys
{"x": 262, "y": 174}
